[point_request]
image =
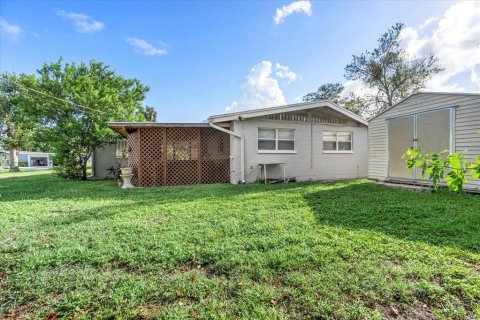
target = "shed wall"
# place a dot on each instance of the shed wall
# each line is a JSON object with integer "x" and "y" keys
{"x": 467, "y": 124}
{"x": 309, "y": 162}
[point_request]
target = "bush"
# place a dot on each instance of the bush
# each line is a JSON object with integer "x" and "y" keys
{"x": 436, "y": 165}
{"x": 69, "y": 166}
{"x": 23, "y": 163}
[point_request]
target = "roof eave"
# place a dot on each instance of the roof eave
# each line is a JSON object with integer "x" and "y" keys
{"x": 287, "y": 108}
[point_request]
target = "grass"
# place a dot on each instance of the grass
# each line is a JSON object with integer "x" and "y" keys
{"x": 343, "y": 250}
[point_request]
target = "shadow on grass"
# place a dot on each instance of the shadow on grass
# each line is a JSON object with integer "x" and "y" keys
{"x": 444, "y": 219}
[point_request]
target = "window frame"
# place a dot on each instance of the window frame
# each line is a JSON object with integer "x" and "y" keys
{"x": 336, "y": 142}
{"x": 276, "y": 139}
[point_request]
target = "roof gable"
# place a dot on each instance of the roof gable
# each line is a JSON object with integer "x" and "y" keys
{"x": 418, "y": 95}
{"x": 287, "y": 108}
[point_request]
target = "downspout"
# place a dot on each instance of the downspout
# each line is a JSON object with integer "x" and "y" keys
{"x": 242, "y": 147}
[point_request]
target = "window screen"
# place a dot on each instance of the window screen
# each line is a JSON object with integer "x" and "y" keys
{"x": 337, "y": 141}
{"x": 276, "y": 139}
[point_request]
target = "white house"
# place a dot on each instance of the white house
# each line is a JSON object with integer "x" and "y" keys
{"x": 31, "y": 159}
{"x": 312, "y": 141}
{"x": 306, "y": 141}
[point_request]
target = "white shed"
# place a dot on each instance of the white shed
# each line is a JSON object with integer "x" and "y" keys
{"x": 433, "y": 121}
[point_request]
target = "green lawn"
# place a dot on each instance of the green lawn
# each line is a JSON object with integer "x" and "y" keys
{"x": 343, "y": 250}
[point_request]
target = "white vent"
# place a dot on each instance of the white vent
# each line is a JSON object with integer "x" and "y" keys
{"x": 302, "y": 117}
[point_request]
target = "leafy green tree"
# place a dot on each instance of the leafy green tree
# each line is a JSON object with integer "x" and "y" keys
{"x": 150, "y": 114}
{"x": 16, "y": 115}
{"x": 78, "y": 100}
{"x": 333, "y": 92}
{"x": 390, "y": 71}
{"x": 328, "y": 91}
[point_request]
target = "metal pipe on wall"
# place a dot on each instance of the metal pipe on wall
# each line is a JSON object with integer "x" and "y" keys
{"x": 242, "y": 147}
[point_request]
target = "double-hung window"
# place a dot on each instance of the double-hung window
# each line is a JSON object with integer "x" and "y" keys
{"x": 337, "y": 141}
{"x": 276, "y": 140}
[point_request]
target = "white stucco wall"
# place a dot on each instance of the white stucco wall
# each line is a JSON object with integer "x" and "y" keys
{"x": 309, "y": 162}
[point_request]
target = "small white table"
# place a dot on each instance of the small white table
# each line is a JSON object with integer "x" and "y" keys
{"x": 264, "y": 165}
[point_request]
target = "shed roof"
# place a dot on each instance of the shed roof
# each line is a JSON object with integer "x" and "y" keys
{"x": 426, "y": 92}
{"x": 287, "y": 108}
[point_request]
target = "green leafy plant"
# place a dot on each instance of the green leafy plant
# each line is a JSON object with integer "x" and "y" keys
{"x": 435, "y": 166}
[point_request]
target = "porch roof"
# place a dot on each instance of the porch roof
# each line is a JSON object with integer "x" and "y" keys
{"x": 122, "y": 127}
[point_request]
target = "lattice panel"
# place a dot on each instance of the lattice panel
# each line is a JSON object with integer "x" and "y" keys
{"x": 179, "y": 156}
{"x": 215, "y": 155}
{"x": 133, "y": 155}
{"x": 183, "y": 165}
{"x": 152, "y": 160}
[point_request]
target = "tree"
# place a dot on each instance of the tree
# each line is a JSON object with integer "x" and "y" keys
{"x": 390, "y": 71}
{"x": 16, "y": 121}
{"x": 150, "y": 114}
{"x": 328, "y": 91}
{"x": 78, "y": 100}
{"x": 334, "y": 92}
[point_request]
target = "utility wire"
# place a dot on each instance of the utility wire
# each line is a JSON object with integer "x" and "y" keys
{"x": 53, "y": 97}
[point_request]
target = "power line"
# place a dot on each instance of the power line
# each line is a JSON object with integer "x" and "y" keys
{"x": 56, "y": 98}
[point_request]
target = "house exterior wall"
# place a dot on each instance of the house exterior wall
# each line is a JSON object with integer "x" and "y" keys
{"x": 309, "y": 162}
{"x": 467, "y": 125}
{"x": 103, "y": 159}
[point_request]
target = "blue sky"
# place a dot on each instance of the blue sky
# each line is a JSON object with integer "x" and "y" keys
{"x": 200, "y": 58}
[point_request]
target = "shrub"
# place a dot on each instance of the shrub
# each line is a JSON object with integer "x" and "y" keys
{"x": 437, "y": 164}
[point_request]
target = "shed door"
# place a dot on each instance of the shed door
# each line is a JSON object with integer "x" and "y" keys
{"x": 400, "y": 138}
{"x": 431, "y": 131}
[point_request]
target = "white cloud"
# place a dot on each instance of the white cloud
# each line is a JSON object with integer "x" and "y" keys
{"x": 12, "y": 30}
{"x": 284, "y": 72}
{"x": 475, "y": 76}
{"x": 147, "y": 48}
{"x": 428, "y": 22}
{"x": 82, "y": 22}
{"x": 357, "y": 88}
{"x": 297, "y": 6}
{"x": 260, "y": 90}
{"x": 455, "y": 40}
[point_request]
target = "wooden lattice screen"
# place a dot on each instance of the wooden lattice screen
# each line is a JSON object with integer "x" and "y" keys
{"x": 179, "y": 156}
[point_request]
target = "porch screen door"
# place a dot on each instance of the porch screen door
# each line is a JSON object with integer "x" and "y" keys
{"x": 400, "y": 138}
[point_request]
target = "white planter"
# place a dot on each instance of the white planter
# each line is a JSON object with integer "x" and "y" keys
{"x": 126, "y": 170}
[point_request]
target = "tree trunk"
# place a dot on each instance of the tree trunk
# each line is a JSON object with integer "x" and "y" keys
{"x": 84, "y": 171}
{"x": 84, "y": 162}
{"x": 14, "y": 151}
